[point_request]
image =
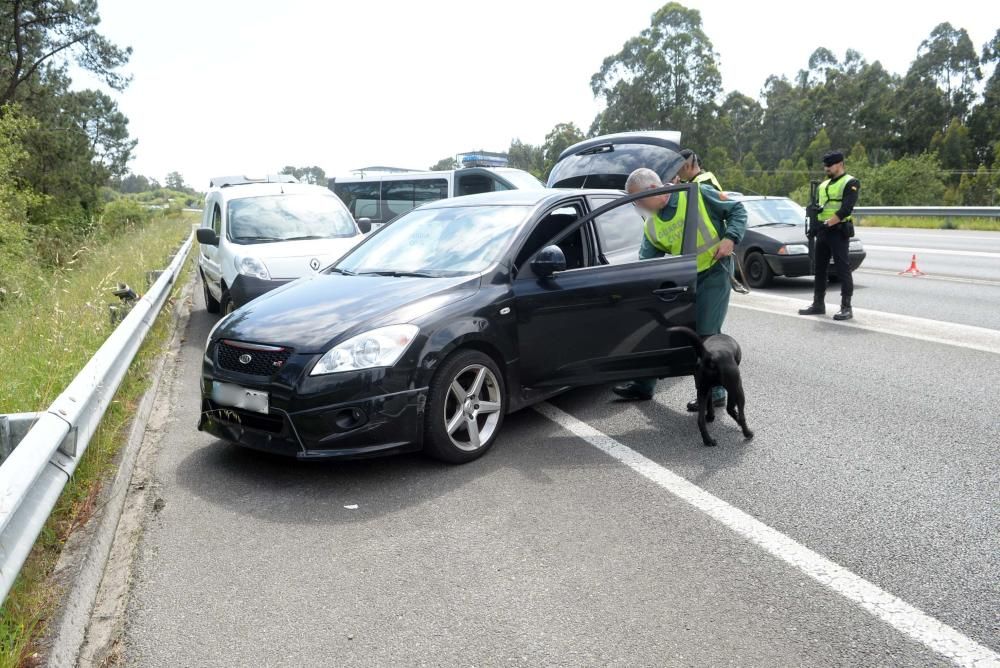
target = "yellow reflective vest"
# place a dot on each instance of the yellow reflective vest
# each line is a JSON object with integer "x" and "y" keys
{"x": 831, "y": 194}
{"x": 668, "y": 235}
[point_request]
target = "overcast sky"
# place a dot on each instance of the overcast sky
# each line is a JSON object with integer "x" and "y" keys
{"x": 247, "y": 86}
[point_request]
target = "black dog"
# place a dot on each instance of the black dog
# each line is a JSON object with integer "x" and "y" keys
{"x": 718, "y": 364}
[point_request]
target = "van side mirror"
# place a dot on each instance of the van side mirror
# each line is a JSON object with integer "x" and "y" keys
{"x": 550, "y": 260}
{"x": 365, "y": 224}
{"x": 207, "y": 236}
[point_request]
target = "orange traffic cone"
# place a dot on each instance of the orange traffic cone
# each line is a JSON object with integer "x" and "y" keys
{"x": 912, "y": 269}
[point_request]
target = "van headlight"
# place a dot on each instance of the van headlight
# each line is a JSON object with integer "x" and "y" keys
{"x": 794, "y": 249}
{"x": 380, "y": 347}
{"x": 251, "y": 266}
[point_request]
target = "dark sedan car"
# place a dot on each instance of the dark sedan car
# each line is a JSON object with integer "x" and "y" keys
{"x": 775, "y": 243}
{"x": 431, "y": 330}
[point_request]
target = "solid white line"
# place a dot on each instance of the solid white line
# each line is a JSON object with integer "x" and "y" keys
{"x": 902, "y": 616}
{"x": 932, "y": 251}
{"x": 911, "y": 327}
{"x": 931, "y": 277}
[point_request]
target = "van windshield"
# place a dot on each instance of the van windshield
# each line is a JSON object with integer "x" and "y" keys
{"x": 288, "y": 218}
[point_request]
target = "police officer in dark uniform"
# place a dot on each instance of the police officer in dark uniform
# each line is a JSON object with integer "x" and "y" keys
{"x": 837, "y": 197}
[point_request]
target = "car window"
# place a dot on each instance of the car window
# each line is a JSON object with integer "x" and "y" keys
{"x": 217, "y": 220}
{"x": 398, "y": 197}
{"x": 288, "y": 217}
{"x": 448, "y": 241}
{"x": 361, "y": 199}
{"x": 771, "y": 212}
{"x": 573, "y": 246}
{"x": 619, "y": 229}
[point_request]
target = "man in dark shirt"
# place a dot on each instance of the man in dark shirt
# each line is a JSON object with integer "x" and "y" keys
{"x": 837, "y": 196}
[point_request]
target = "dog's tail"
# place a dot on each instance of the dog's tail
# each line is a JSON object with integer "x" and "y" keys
{"x": 696, "y": 342}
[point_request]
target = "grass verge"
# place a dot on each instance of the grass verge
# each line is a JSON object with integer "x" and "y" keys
{"x": 980, "y": 224}
{"x": 50, "y": 333}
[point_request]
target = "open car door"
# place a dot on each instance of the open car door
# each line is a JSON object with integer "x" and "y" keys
{"x": 602, "y": 323}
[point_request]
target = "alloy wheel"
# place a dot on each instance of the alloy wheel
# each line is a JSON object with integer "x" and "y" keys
{"x": 472, "y": 408}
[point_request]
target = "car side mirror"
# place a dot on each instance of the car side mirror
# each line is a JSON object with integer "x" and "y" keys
{"x": 207, "y": 236}
{"x": 550, "y": 260}
{"x": 365, "y": 224}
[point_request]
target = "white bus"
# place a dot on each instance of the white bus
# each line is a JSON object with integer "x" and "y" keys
{"x": 374, "y": 198}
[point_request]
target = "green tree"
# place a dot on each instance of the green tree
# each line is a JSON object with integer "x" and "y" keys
{"x": 909, "y": 180}
{"x": 445, "y": 164}
{"x": 977, "y": 189}
{"x": 528, "y": 157}
{"x": 953, "y": 147}
{"x": 41, "y": 34}
{"x": 175, "y": 181}
{"x": 739, "y": 124}
{"x": 559, "y": 138}
{"x": 786, "y": 127}
{"x": 666, "y": 77}
{"x": 313, "y": 175}
{"x": 984, "y": 120}
{"x": 817, "y": 148}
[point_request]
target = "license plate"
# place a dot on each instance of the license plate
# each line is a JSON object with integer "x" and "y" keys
{"x": 234, "y": 396}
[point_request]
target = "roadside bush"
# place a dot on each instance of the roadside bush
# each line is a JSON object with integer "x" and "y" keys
{"x": 15, "y": 200}
{"x": 122, "y": 213}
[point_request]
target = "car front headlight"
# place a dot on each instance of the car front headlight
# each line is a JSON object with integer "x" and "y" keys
{"x": 380, "y": 347}
{"x": 251, "y": 266}
{"x": 794, "y": 249}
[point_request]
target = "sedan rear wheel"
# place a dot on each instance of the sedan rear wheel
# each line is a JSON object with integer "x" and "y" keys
{"x": 466, "y": 407}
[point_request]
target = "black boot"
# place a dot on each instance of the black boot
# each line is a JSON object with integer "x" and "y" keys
{"x": 845, "y": 312}
{"x": 816, "y": 308}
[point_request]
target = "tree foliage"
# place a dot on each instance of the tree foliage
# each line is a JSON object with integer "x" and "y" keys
{"x": 313, "y": 175}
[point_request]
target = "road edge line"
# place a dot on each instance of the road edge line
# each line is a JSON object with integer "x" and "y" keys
{"x": 899, "y": 614}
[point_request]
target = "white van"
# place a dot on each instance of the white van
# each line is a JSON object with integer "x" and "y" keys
{"x": 258, "y": 234}
{"x": 374, "y": 197}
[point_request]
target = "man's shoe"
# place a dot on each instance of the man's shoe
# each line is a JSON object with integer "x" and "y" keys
{"x": 632, "y": 392}
{"x": 693, "y": 405}
{"x": 845, "y": 313}
{"x": 814, "y": 309}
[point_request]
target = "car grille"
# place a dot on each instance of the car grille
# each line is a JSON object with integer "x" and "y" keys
{"x": 251, "y": 359}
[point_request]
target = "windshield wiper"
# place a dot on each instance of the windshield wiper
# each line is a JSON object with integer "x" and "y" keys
{"x": 304, "y": 238}
{"x": 239, "y": 239}
{"x": 398, "y": 274}
{"x": 345, "y": 272}
{"x": 775, "y": 225}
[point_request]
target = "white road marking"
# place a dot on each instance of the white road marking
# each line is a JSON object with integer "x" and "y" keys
{"x": 923, "y": 329}
{"x": 896, "y": 612}
{"x": 932, "y": 251}
{"x": 949, "y": 235}
{"x": 932, "y": 277}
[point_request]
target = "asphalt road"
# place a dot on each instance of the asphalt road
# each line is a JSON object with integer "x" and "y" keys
{"x": 961, "y": 285}
{"x": 876, "y": 451}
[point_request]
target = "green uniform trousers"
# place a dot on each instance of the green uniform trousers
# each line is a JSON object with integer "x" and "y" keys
{"x": 711, "y": 303}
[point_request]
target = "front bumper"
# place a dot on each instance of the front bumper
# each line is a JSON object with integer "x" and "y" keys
{"x": 245, "y": 289}
{"x": 349, "y": 415}
{"x": 798, "y": 265}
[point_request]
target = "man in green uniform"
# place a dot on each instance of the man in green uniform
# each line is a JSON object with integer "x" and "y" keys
{"x": 722, "y": 226}
{"x": 691, "y": 172}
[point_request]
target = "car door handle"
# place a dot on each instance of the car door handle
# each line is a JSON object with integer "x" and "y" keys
{"x": 670, "y": 294}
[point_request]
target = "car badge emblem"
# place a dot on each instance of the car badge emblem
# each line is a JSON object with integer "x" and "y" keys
{"x": 314, "y": 263}
{"x": 245, "y": 358}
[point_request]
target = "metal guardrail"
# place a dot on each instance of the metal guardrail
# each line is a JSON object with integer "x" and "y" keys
{"x": 930, "y": 211}
{"x": 34, "y": 473}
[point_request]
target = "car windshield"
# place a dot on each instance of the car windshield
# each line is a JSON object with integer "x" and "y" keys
{"x": 773, "y": 212}
{"x": 288, "y": 217}
{"x": 449, "y": 241}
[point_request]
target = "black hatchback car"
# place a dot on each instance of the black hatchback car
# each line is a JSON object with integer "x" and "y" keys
{"x": 430, "y": 331}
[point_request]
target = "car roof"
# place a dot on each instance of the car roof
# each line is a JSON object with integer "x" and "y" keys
{"x": 262, "y": 189}
{"x": 517, "y": 197}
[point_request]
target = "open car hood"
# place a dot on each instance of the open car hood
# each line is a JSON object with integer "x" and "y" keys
{"x": 606, "y": 161}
